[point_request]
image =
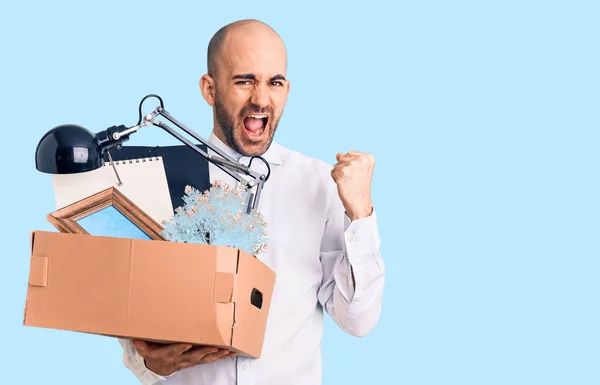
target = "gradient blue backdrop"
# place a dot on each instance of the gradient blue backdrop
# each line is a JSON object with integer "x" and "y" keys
{"x": 483, "y": 117}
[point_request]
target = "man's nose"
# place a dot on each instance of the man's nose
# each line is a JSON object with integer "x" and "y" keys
{"x": 260, "y": 96}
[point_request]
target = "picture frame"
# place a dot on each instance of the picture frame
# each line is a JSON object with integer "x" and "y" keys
{"x": 106, "y": 213}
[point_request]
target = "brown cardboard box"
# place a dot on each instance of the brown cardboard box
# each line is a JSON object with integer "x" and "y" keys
{"x": 154, "y": 290}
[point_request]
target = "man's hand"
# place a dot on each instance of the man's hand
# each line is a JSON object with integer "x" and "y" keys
{"x": 353, "y": 174}
{"x": 165, "y": 360}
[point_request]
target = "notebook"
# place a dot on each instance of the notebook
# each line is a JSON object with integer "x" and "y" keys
{"x": 183, "y": 166}
{"x": 144, "y": 182}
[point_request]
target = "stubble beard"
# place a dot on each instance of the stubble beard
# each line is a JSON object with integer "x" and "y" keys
{"x": 226, "y": 122}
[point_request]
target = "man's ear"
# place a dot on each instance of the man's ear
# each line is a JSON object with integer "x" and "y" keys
{"x": 207, "y": 87}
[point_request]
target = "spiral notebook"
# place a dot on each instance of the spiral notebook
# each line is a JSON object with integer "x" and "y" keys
{"x": 144, "y": 182}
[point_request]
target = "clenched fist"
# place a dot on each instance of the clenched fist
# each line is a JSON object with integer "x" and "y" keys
{"x": 353, "y": 174}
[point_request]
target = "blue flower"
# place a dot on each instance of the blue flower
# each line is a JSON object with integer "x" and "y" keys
{"x": 218, "y": 217}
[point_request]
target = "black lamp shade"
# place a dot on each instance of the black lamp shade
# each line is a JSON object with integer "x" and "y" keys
{"x": 68, "y": 149}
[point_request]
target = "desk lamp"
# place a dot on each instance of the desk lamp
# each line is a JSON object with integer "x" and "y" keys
{"x": 70, "y": 148}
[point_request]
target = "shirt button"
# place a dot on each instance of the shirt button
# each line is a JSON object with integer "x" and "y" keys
{"x": 352, "y": 238}
{"x": 246, "y": 366}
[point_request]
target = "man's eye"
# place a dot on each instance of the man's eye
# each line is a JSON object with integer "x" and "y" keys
{"x": 243, "y": 82}
{"x": 277, "y": 83}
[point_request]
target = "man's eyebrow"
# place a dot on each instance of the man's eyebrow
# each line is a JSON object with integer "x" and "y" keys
{"x": 252, "y": 77}
{"x": 244, "y": 76}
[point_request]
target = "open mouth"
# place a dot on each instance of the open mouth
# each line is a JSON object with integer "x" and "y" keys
{"x": 255, "y": 125}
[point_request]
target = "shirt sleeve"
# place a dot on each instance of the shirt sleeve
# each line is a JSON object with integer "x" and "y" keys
{"x": 135, "y": 363}
{"x": 353, "y": 270}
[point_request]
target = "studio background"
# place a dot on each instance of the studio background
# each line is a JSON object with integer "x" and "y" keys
{"x": 483, "y": 118}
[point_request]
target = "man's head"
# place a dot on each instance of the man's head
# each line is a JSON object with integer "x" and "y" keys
{"x": 246, "y": 84}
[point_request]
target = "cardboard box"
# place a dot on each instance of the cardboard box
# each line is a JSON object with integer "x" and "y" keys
{"x": 147, "y": 289}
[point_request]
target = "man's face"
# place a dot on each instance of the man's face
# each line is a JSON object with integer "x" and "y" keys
{"x": 250, "y": 92}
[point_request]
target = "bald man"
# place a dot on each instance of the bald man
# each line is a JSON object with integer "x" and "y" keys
{"x": 323, "y": 236}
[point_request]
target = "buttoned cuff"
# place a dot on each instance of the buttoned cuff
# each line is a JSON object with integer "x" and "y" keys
{"x": 362, "y": 235}
{"x": 362, "y": 242}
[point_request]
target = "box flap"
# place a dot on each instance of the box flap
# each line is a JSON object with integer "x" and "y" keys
{"x": 224, "y": 287}
{"x": 38, "y": 271}
{"x": 252, "y": 297}
{"x": 225, "y": 274}
{"x": 224, "y": 290}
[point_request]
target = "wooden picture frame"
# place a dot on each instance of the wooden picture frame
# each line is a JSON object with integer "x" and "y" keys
{"x": 69, "y": 218}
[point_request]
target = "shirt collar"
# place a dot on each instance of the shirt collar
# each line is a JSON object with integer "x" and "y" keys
{"x": 271, "y": 155}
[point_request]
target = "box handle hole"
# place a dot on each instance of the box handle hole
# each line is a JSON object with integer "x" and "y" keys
{"x": 256, "y": 298}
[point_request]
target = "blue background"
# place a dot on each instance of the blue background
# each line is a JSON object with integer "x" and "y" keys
{"x": 483, "y": 117}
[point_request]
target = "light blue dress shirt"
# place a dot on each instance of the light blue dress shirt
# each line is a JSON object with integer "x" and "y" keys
{"x": 313, "y": 249}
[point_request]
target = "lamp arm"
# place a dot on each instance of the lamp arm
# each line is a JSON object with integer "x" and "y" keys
{"x": 117, "y": 135}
